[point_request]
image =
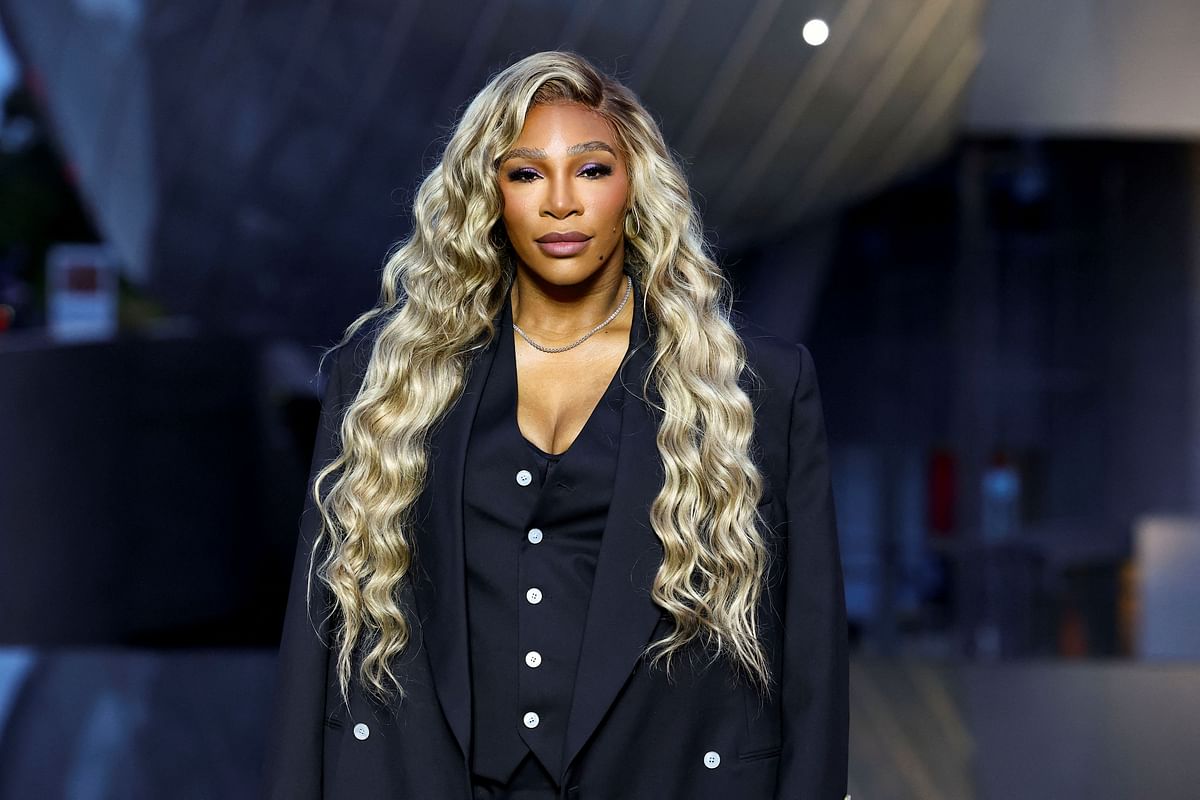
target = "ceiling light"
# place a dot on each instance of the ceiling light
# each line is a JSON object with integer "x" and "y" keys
{"x": 816, "y": 32}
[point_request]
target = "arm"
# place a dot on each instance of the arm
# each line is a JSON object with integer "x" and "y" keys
{"x": 296, "y": 734}
{"x": 815, "y": 676}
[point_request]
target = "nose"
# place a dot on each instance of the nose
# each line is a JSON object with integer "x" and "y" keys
{"x": 561, "y": 200}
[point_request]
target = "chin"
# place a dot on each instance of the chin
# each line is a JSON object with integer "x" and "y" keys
{"x": 565, "y": 271}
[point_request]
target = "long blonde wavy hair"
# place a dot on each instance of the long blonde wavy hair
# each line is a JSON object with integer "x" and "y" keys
{"x": 441, "y": 289}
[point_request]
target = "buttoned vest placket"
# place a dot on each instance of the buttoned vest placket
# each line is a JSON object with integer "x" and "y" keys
{"x": 532, "y": 549}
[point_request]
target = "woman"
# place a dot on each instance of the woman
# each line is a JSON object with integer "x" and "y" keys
{"x": 571, "y": 532}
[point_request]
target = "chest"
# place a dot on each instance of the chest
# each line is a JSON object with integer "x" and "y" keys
{"x": 557, "y": 392}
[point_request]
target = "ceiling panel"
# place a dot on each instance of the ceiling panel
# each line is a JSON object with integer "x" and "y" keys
{"x": 253, "y": 160}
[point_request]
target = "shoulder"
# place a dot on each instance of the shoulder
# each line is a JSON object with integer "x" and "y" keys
{"x": 345, "y": 364}
{"x": 773, "y": 381}
{"x": 774, "y": 363}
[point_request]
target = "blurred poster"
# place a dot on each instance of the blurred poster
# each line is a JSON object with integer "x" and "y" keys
{"x": 81, "y": 292}
{"x": 1167, "y": 554}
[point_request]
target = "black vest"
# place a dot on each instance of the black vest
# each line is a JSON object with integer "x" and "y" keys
{"x": 533, "y": 524}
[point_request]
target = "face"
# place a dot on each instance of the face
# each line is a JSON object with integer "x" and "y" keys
{"x": 565, "y": 189}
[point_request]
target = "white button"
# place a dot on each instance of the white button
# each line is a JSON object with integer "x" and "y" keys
{"x": 712, "y": 759}
{"x": 534, "y": 595}
{"x": 524, "y": 478}
{"x": 533, "y": 658}
{"x": 531, "y": 719}
{"x": 361, "y": 732}
{"x": 534, "y": 536}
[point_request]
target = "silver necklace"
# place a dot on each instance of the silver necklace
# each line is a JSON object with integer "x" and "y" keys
{"x": 586, "y": 336}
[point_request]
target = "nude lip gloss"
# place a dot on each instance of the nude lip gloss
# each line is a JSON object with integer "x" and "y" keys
{"x": 562, "y": 244}
{"x": 563, "y": 249}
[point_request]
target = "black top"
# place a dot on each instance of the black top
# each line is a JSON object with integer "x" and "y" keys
{"x": 633, "y": 733}
{"x": 533, "y": 525}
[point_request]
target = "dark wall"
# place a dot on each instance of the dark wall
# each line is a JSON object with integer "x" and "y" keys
{"x": 140, "y": 499}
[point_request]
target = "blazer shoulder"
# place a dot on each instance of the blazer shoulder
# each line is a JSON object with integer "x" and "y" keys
{"x": 346, "y": 362}
{"x": 774, "y": 361}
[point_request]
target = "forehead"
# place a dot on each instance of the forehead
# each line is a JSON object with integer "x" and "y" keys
{"x": 554, "y": 127}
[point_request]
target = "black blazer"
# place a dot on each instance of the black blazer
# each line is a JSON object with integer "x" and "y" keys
{"x": 632, "y": 733}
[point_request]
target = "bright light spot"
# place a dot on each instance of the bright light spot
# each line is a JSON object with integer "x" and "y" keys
{"x": 816, "y": 32}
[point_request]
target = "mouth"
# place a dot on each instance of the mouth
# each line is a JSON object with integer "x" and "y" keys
{"x": 564, "y": 244}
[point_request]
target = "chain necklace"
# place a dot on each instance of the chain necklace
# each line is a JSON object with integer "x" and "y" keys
{"x": 586, "y": 336}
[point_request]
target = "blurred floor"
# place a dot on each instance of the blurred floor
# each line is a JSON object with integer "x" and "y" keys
{"x": 103, "y": 725}
{"x": 127, "y": 725}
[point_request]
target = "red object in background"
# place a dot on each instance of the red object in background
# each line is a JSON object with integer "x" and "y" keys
{"x": 1072, "y": 634}
{"x": 6, "y": 317}
{"x": 941, "y": 493}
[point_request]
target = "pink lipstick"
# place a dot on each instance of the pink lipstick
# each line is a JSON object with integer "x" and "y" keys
{"x": 561, "y": 245}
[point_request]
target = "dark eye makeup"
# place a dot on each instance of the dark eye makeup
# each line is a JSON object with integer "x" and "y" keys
{"x": 596, "y": 170}
{"x": 522, "y": 175}
{"x": 528, "y": 174}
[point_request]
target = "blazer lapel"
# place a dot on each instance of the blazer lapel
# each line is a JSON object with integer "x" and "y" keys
{"x": 440, "y": 583}
{"x": 621, "y": 615}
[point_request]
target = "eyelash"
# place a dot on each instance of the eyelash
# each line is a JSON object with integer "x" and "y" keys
{"x": 527, "y": 174}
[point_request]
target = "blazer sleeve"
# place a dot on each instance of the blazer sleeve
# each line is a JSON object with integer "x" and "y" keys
{"x": 294, "y": 751}
{"x": 814, "y": 681}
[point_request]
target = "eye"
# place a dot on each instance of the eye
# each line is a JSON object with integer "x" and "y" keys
{"x": 523, "y": 175}
{"x": 596, "y": 171}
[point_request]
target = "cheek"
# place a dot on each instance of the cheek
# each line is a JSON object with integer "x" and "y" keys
{"x": 515, "y": 212}
{"x": 610, "y": 202}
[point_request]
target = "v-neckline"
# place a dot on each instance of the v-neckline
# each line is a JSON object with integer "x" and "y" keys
{"x": 516, "y": 381}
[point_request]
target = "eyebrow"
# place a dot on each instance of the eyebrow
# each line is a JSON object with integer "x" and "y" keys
{"x": 533, "y": 153}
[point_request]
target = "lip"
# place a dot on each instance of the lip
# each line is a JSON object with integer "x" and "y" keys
{"x": 562, "y": 245}
{"x": 566, "y": 236}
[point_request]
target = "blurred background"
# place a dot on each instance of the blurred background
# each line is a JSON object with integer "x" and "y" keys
{"x": 982, "y": 217}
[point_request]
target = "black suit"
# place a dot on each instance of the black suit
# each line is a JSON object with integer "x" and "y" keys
{"x": 631, "y": 733}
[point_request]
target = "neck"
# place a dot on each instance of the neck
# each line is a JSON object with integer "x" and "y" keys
{"x": 556, "y": 313}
